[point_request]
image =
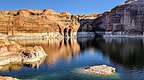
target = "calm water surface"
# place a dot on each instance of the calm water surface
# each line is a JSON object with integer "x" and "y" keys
{"x": 65, "y": 56}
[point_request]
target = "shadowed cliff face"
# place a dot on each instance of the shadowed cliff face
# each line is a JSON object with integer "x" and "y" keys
{"x": 126, "y": 18}
{"x": 86, "y": 22}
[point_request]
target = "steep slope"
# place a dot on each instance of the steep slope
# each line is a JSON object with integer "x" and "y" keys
{"x": 127, "y": 18}
{"x": 44, "y": 22}
{"x": 36, "y": 21}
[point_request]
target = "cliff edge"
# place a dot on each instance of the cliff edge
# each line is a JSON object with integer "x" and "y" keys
{"x": 127, "y": 19}
{"x": 41, "y": 22}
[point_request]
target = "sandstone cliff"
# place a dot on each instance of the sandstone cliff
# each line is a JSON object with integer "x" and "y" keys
{"x": 126, "y": 18}
{"x": 44, "y": 22}
{"x": 37, "y": 21}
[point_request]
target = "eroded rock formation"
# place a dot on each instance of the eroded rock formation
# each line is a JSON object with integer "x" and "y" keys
{"x": 11, "y": 52}
{"x": 44, "y": 22}
{"x": 126, "y": 18}
{"x": 24, "y": 22}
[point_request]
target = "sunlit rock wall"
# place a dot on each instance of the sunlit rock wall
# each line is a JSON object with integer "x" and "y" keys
{"x": 45, "y": 22}
{"x": 24, "y": 22}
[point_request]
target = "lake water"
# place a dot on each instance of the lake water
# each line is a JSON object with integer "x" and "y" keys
{"x": 65, "y": 56}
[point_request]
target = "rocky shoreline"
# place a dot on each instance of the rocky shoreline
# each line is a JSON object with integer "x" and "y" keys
{"x": 118, "y": 35}
{"x": 7, "y": 78}
{"x": 13, "y": 53}
{"x": 14, "y": 56}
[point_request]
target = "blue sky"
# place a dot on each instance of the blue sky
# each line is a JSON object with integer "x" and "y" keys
{"x": 72, "y": 6}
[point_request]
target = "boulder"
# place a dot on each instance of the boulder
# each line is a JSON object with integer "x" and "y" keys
{"x": 98, "y": 70}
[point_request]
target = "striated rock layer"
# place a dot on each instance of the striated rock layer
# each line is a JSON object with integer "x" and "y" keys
{"x": 24, "y": 22}
{"x": 127, "y": 18}
{"x": 43, "y": 22}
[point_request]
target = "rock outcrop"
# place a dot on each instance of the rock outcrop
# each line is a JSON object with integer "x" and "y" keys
{"x": 14, "y": 53}
{"x": 7, "y": 78}
{"x": 126, "y": 18}
{"x": 98, "y": 70}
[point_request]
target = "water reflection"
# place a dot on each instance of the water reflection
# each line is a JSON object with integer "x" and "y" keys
{"x": 17, "y": 67}
{"x": 56, "y": 49}
{"x": 62, "y": 50}
{"x": 125, "y": 54}
{"x": 125, "y": 51}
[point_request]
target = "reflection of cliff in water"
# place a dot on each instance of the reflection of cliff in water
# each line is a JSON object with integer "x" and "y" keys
{"x": 125, "y": 51}
{"x": 56, "y": 49}
{"x": 65, "y": 49}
